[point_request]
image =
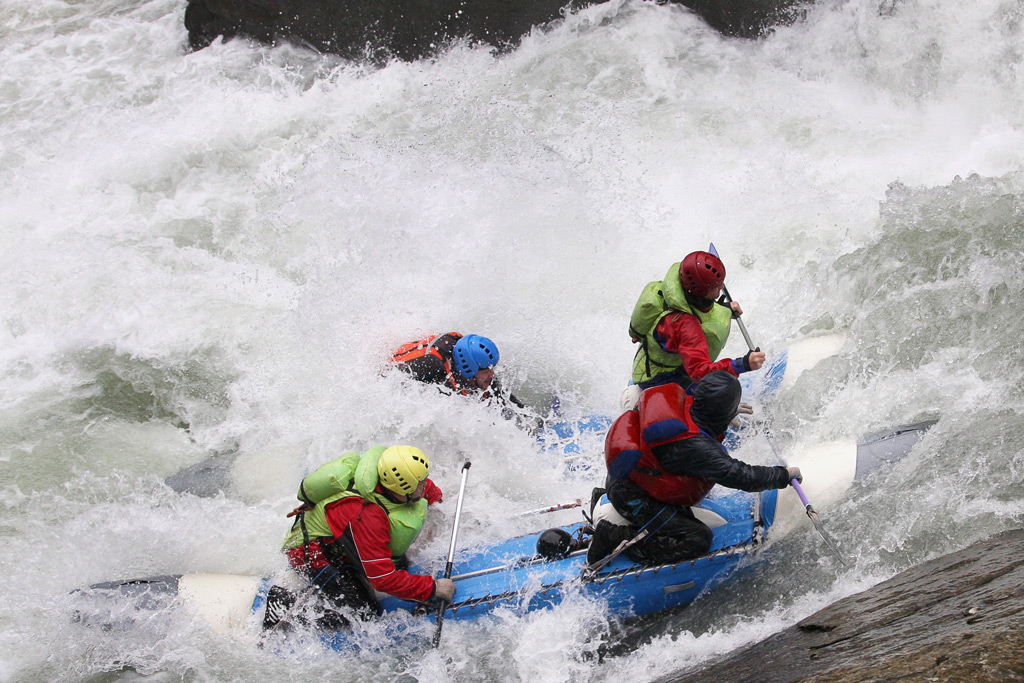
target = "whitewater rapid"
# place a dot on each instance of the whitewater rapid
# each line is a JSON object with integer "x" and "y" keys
{"x": 213, "y": 253}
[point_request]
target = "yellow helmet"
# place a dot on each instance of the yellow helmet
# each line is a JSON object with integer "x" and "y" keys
{"x": 402, "y": 468}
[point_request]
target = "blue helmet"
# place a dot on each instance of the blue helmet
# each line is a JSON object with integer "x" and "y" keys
{"x": 472, "y": 353}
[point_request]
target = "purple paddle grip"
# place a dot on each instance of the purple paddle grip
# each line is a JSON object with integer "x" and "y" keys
{"x": 800, "y": 492}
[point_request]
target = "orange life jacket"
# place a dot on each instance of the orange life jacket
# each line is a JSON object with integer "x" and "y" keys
{"x": 423, "y": 347}
{"x": 661, "y": 417}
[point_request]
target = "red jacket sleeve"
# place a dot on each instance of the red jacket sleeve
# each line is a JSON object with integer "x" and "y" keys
{"x": 432, "y": 493}
{"x": 371, "y": 534}
{"x": 683, "y": 335}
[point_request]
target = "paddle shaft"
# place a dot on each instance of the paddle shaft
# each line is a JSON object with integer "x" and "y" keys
{"x": 800, "y": 492}
{"x": 553, "y": 508}
{"x": 451, "y": 551}
{"x": 739, "y": 321}
{"x": 728, "y": 300}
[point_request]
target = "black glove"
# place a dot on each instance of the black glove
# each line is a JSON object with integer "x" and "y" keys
{"x": 746, "y": 358}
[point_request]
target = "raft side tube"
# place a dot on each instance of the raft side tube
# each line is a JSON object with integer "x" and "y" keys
{"x": 629, "y": 589}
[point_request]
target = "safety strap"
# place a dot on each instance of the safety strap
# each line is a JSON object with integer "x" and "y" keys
{"x": 300, "y": 513}
{"x": 303, "y": 496}
{"x": 347, "y": 545}
{"x": 590, "y": 570}
{"x": 449, "y": 373}
{"x": 305, "y": 539}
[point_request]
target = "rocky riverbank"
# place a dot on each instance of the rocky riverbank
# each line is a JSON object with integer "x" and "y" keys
{"x": 955, "y": 618}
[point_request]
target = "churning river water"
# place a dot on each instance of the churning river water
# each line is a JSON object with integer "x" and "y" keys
{"x": 213, "y": 252}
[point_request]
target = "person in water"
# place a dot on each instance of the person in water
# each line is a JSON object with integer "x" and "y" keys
{"x": 682, "y": 328}
{"x": 665, "y": 456}
{"x": 462, "y": 365}
{"x": 359, "y": 516}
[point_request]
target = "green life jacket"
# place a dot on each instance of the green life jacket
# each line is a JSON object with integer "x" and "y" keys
{"x": 353, "y": 475}
{"x": 658, "y": 299}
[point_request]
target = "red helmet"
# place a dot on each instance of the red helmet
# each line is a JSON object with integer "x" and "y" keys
{"x": 701, "y": 274}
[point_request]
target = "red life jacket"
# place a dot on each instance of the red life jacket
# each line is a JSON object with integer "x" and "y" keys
{"x": 423, "y": 347}
{"x": 662, "y": 416}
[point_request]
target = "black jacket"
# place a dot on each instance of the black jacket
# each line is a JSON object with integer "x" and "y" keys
{"x": 715, "y": 403}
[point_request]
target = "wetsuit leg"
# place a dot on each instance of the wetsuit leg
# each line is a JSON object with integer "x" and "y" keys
{"x": 675, "y": 534}
{"x": 326, "y": 603}
{"x": 343, "y": 592}
{"x": 334, "y": 595}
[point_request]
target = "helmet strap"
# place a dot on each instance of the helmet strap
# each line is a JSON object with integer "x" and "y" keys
{"x": 393, "y": 496}
{"x": 702, "y": 303}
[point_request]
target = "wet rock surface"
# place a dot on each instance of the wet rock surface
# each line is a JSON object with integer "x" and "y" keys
{"x": 959, "y": 617}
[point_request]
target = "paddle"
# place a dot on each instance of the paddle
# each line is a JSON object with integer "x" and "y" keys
{"x": 451, "y": 552}
{"x": 726, "y": 299}
{"x": 553, "y": 508}
{"x": 811, "y": 514}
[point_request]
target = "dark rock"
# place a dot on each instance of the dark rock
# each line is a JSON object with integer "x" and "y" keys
{"x": 374, "y": 31}
{"x": 206, "y": 478}
{"x": 747, "y": 18}
{"x": 955, "y": 618}
{"x": 377, "y": 30}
